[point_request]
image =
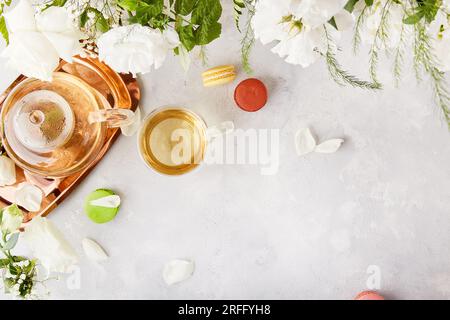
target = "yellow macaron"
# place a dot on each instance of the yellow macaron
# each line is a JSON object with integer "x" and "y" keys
{"x": 218, "y": 75}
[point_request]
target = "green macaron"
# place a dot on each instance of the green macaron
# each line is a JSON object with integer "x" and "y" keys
{"x": 99, "y": 214}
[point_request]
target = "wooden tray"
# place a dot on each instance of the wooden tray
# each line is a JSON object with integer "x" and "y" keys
{"x": 56, "y": 190}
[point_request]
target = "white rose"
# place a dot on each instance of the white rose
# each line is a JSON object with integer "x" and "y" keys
{"x": 49, "y": 246}
{"x": 135, "y": 48}
{"x": 7, "y": 171}
{"x": 12, "y": 218}
{"x": 37, "y": 42}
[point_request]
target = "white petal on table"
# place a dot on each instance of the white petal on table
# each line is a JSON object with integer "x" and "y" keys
{"x": 112, "y": 201}
{"x": 304, "y": 141}
{"x": 132, "y": 128}
{"x": 329, "y": 146}
{"x": 29, "y": 197}
{"x": 7, "y": 171}
{"x": 93, "y": 250}
{"x": 177, "y": 270}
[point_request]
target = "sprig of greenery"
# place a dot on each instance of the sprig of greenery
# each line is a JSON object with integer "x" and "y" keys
{"x": 379, "y": 41}
{"x": 338, "y": 74}
{"x": 399, "y": 56}
{"x": 357, "y": 30}
{"x": 248, "y": 38}
{"x": 19, "y": 275}
{"x": 239, "y": 7}
{"x": 425, "y": 60}
{"x": 423, "y": 9}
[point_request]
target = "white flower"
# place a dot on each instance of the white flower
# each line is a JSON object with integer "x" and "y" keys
{"x": 7, "y": 171}
{"x": 49, "y": 246}
{"x": 12, "y": 218}
{"x": 23, "y": 276}
{"x": 37, "y": 42}
{"x": 298, "y": 26}
{"x": 135, "y": 48}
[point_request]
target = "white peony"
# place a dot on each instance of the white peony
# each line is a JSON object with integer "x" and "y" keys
{"x": 49, "y": 246}
{"x": 12, "y": 218}
{"x": 298, "y": 26}
{"x": 38, "y": 41}
{"x": 135, "y": 48}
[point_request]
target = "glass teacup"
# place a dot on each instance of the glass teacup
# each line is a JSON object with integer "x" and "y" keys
{"x": 173, "y": 140}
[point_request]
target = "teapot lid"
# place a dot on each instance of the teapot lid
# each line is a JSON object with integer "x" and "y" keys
{"x": 42, "y": 120}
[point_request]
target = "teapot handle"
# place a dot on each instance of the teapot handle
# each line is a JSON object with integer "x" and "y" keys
{"x": 118, "y": 88}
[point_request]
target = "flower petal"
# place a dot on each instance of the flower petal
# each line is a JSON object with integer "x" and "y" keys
{"x": 29, "y": 197}
{"x": 7, "y": 171}
{"x": 31, "y": 54}
{"x": 56, "y": 24}
{"x": 329, "y": 146}
{"x": 21, "y": 18}
{"x": 49, "y": 245}
{"x": 344, "y": 20}
{"x": 177, "y": 270}
{"x": 304, "y": 142}
{"x": 112, "y": 201}
{"x": 93, "y": 250}
{"x": 132, "y": 128}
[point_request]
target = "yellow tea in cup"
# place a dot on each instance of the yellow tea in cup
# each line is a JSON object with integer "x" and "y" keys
{"x": 172, "y": 140}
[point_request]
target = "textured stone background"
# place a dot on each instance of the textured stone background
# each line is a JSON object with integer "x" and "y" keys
{"x": 310, "y": 231}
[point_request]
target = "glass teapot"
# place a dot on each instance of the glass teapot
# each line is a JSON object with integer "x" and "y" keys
{"x": 55, "y": 129}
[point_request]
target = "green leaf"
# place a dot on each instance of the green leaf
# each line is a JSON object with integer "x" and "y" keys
{"x": 11, "y": 241}
{"x": 207, "y": 32}
{"x": 350, "y": 5}
{"x": 129, "y": 5}
{"x": 413, "y": 19}
{"x": 184, "y": 7}
{"x": 58, "y": 3}
{"x": 4, "y": 30}
{"x": 368, "y": 2}
{"x": 101, "y": 24}
{"x": 187, "y": 37}
{"x": 4, "y": 263}
{"x": 83, "y": 18}
{"x": 333, "y": 23}
{"x": 55, "y": 3}
{"x": 209, "y": 10}
{"x": 147, "y": 10}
